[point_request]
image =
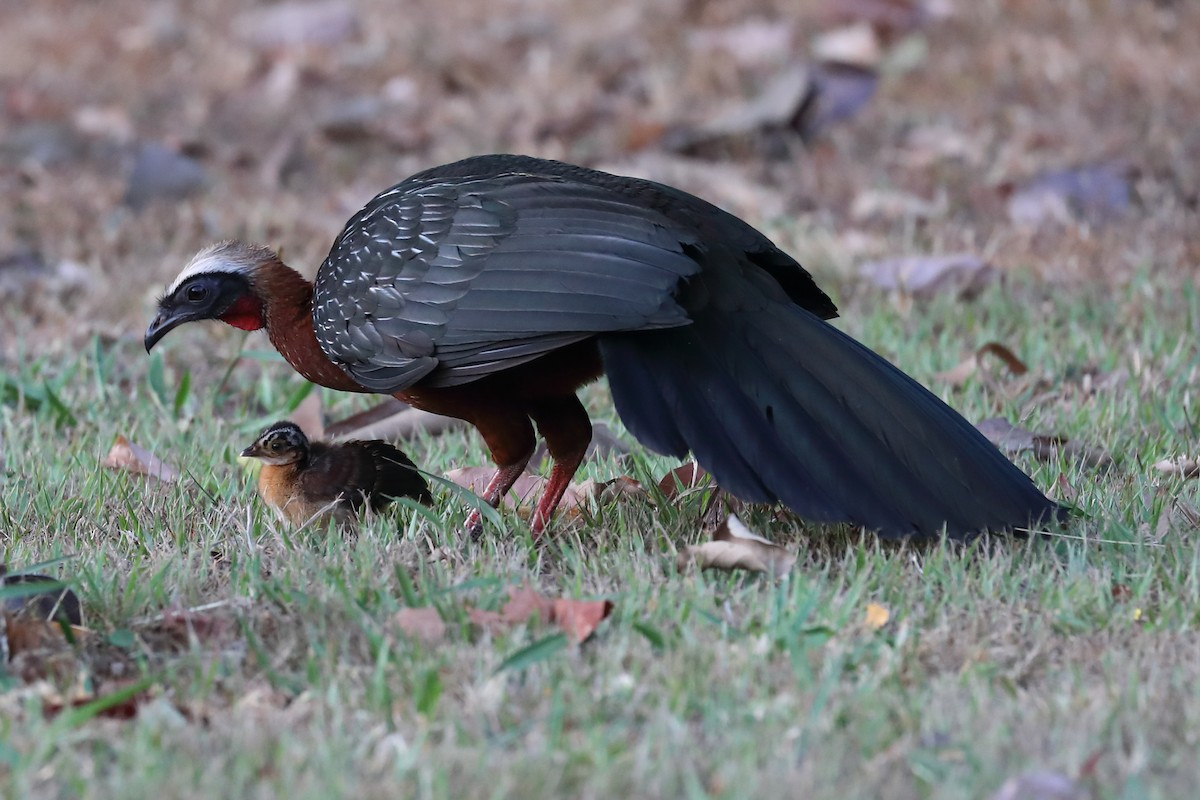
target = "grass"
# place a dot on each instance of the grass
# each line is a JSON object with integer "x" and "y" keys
{"x": 1076, "y": 655}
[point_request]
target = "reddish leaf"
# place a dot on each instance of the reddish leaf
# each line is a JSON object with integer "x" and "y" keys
{"x": 133, "y": 458}
{"x": 524, "y": 603}
{"x": 579, "y": 618}
{"x": 681, "y": 479}
{"x": 420, "y": 623}
{"x": 958, "y": 375}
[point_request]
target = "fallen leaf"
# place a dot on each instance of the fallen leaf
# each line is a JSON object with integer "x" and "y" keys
{"x": 423, "y": 623}
{"x": 1012, "y": 440}
{"x": 736, "y": 547}
{"x": 961, "y": 274}
{"x": 1179, "y": 466}
{"x": 524, "y": 603}
{"x": 877, "y": 616}
{"x": 958, "y": 375}
{"x": 580, "y": 618}
{"x": 578, "y": 496}
{"x": 309, "y": 417}
{"x": 1095, "y": 194}
{"x": 681, "y": 479}
{"x": 136, "y": 459}
{"x": 837, "y": 93}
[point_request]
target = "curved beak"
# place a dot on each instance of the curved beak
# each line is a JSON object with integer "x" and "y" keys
{"x": 251, "y": 451}
{"x": 164, "y": 323}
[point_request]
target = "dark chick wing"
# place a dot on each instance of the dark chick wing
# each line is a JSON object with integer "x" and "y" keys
{"x": 395, "y": 474}
{"x": 449, "y": 279}
{"x": 337, "y": 473}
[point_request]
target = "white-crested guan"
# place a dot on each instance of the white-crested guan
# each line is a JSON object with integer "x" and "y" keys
{"x": 492, "y": 288}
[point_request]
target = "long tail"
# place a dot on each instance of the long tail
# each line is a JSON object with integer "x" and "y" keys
{"x": 781, "y": 406}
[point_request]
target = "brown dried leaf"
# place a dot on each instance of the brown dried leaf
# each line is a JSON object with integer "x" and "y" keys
{"x": 580, "y": 618}
{"x": 736, "y": 547}
{"x": 133, "y": 458}
{"x": 958, "y": 375}
{"x": 525, "y": 603}
{"x": 1179, "y": 466}
{"x": 577, "y": 618}
{"x": 1012, "y": 440}
{"x": 682, "y": 479}
{"x": 423, "y": 623}
{"x": 578, "y": 496}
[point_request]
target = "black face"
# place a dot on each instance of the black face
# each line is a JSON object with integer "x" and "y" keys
{"x": 205, "y": 296}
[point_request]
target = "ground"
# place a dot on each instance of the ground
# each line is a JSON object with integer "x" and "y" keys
{"x": 261, "y": 661}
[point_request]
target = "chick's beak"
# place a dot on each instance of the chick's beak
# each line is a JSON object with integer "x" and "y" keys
{"x": 251, "y": 452}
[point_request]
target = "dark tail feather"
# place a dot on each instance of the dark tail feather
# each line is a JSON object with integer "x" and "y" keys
{"x": 781, "y": 406}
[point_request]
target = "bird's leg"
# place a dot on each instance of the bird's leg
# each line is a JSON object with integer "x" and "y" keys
{"x": 563, "y": 423}
{"x": 509, "y": 436}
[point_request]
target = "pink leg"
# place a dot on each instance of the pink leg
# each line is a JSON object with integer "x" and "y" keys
{"x": 564, "y": 423}
{"x": 560, "y": 477}
{"x": 497, "y": 487}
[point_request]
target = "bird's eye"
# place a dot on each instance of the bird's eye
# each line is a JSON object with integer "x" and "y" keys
{"x": 276, "y": 444}
{"x": 196, "y": 292}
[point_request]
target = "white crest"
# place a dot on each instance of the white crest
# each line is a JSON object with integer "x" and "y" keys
{"x": 227, "y": 257}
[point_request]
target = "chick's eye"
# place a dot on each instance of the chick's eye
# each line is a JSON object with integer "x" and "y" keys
{"x": 196, "y": 292}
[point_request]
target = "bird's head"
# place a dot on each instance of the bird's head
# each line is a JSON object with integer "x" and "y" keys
{"x": 281, "y": 443}
{"x": 218, "y": 283}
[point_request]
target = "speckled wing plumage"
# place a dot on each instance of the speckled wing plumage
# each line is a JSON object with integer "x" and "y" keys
{"x": 449, "y": 277}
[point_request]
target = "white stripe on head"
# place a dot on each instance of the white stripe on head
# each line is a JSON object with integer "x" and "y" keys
{"x": 231, "y": 257}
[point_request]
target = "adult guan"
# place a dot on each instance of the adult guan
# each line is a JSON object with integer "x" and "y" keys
{"x": 493, "y": 288}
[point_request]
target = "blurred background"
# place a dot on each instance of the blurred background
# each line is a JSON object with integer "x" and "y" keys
{"x": 967, "y": 139}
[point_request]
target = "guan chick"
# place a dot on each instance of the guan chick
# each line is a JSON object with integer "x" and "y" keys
{"x": 303, "y": 481}
{"x": 493, "y": 288}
